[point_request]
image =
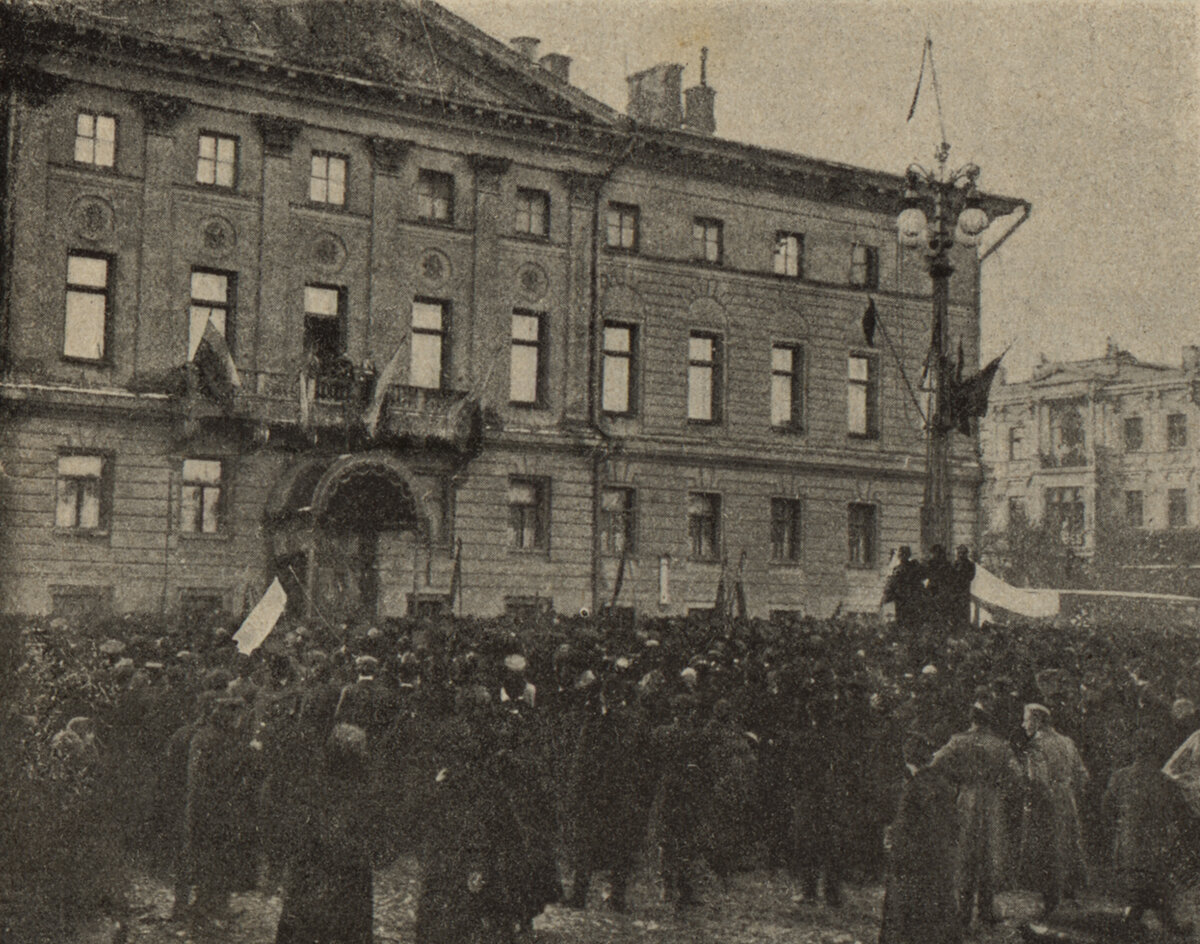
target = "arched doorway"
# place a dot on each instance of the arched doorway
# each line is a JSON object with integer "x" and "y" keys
{"x": 325, "y": 520}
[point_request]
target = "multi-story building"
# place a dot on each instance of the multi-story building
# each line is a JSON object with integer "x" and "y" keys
{"x": 1094, "y": 448}
{"x": 602, "y": 337}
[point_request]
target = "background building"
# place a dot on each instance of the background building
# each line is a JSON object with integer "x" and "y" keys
{"x": 1105, "y": 452}
{"x": 601, "y": 336}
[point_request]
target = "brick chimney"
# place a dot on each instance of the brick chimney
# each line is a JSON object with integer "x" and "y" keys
{"x": 526, "y": 46}
{"x": 654, "y": 95}
{"x": 557, "y": 65}
{"x": 699, "y": 115}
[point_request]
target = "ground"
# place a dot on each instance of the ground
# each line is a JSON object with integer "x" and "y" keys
{"x": 755, "y": 907}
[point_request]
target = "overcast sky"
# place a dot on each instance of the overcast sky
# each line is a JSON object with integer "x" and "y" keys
{"x": 1089, "y": 111}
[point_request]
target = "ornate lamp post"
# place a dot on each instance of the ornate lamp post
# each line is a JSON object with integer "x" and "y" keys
{"x": 940, "y": 208}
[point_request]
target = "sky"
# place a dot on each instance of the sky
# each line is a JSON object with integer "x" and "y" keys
{"x": 1090, "y": 111}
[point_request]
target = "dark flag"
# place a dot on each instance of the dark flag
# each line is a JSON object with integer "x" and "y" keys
{"x": 912, "y": 109}
{"x": 620, "y": 577}
{"x": 968, "y": 399}
{"x": 870, "y": 320}
{"x": 455, "y": 575}
{"x": 218, "y": 373}
{"x": 721, "y": 604}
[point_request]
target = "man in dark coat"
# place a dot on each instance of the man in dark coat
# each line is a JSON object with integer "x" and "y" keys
{"x": 962, "y": 574}
{"x": 367, "y": 702}
{"x": 906, "y": 589}
{"x": 939, "y": 574}
{"x": 919, "y": 905}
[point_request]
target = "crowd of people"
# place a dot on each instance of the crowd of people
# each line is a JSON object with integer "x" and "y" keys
{"x": 518, "y": 762}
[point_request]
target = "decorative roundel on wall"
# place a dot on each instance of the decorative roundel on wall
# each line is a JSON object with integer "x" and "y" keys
{"x": 533, "y": 281}
{"x": 329, "y": 252}
{"x": 434, "y": 267}
{"x": 92, "y": 218}
{"x": 218, "y": 235}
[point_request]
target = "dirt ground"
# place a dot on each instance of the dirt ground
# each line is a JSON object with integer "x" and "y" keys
{"x": 755, "y": 907}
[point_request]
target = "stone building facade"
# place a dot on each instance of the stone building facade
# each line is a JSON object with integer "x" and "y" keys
{"x": 1095, "y": 448}
{"x": 601, "y": 339}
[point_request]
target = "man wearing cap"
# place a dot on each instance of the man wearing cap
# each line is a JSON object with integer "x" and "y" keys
{"x": 1052, "y": 846}
{"x": 982, "y": 766}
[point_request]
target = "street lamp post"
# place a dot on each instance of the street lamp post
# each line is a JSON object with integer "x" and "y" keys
{"x": 940, "y": 208}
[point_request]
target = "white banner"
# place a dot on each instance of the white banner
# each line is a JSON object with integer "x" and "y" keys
{"x": 990, "y": 590}
{"x": 262, "y": 619}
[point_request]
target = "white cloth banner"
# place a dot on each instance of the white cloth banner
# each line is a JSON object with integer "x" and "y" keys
{"x": 262, "y": 619}
{"x": 991, "y": 591}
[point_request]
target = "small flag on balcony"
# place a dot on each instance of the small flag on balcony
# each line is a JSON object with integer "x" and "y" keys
{"x": 382, "y": 383}
{"x": 869, "y": 322}
{"x": 968, "y": 399}
{"x": 218, "y": 373}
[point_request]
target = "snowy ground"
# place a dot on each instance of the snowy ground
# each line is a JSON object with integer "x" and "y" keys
{"x": 756, "y": 907}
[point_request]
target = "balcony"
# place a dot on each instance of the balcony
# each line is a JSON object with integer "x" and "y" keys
{"x": 1074, "y": 458}
{"x": 338, "y": 402}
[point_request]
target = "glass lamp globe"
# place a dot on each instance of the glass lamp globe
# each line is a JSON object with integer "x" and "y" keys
{"x": 972, "y": 221}
{"x": 912, "y": 225}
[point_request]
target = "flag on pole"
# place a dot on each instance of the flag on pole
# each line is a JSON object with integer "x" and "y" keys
{"x": 869, "y": 322}
{"x": 456, "y": 575}
{"x": 920, "y": 75}
{"x": 258, "y": 624}
{"x": 218, "y": 372}
{"x": 620, "y": 577}
{"x": 968, "y": 399}
{"x": 382, "y": 383}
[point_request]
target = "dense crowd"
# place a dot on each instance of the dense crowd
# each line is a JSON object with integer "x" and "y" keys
{"x": 518, "y": 761}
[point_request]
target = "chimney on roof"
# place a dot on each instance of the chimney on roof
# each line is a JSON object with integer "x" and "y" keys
{"x": 699, "y": 115}
{"x": 654, "y": 95}
{"x": 557, "y": 65}
{"x": 526, "y": 46}
{"x": 1191, "y": 357}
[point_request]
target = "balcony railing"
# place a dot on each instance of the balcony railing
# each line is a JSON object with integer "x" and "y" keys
{"x": 1072, "y": 458}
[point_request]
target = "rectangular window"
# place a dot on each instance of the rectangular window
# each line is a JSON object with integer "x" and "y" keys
{"x": 619, "y": 368}
{"x": 704, "y": 525}
{"x": 427, "y": 361}
{"x": 1177, "y": 431}
{"x": 525, "y": 369}
{"x": 787, "y": 386}
{"x": 707, "y": 242}
{"x": 1015, "y": 443}
{"x": 529, "y": 514}
{"x": 785, "y": 530}
{"x": 862, "y": 396}
{"x": 95, "y": 139}
{"x": 82, "y": 496}
{"x": 789, "y": 254}
{"x": 864, "y": 266}
{"x": 862, "y": 534}
{"x": 217, "y": 164}
{"x": 622, "y": 227}
{"x": 1177, "y": 508}
{"x": 327, "y": 181}
{"x": 704, "y": 378}
{"x": 212, "y": 300}
{"x": 323, "y": 317}
{"x": 200, "y": 498}
{"x": 88, "y": 291}
{"x": 1065, "y": 514}
{"x": 1135, "y": 515}
{"x": 617, "y": 523}
{"x": 533, "y": 213}
{"x": 1133, "y": 433}
{"x": 435, "y": 196}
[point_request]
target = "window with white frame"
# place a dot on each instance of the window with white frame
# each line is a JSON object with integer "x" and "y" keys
{"x": 201, "y": 497}
{"x": 864, "y": 266}
{"x": 789, "y": 254}
{"x": 787, "y": 386}
{"x": 85, "y": 332}
{"x": 435, "y": 196}
{"x": 620, "y": 364}
{"x": 708, "y": 240}
{"x": 327, "y": 179}
{"x": 785, "y": 530}
{"x": 533, "y": 213}
{"x": 216, "y": 165}
{"x": 427, "y": 347}
{"x": 529, "y": 514}
{"x": 525, "y": 365}
{"x": 82, "y": 500}
{"x": 323, "y": 323}
{"x": 704, "y": 525}
{"x": 862, "y": 394}
{"x": 622, "y": 227}
{"x": 704, "y": 378}
{"x": 862, "y": 534}
{"x": 617, "y": 523}
{"x": 212, "y": 300}
{"x": 95, "y": 139}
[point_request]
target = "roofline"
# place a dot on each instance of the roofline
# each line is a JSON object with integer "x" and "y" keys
{"x": 613, "y": 129}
